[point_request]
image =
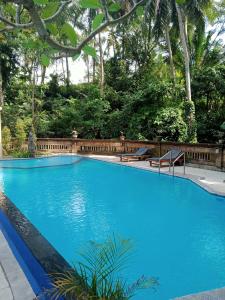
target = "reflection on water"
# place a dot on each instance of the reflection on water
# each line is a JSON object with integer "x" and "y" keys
{"x": 177, "y": 227}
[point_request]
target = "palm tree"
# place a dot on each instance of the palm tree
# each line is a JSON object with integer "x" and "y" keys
{"x": 182, "y": 14}
{"x": 207, "y": 49}
{"x": 192, "y": 11}
{"x": 162, "y": 13}
{"x": 101, "y": 66}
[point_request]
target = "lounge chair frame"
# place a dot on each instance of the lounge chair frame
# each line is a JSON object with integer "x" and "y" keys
{"x": 170, "y": 161}
{"x": 139, "y": 157}
{"x": 132, "y": 156}
{"x": 184, "y": 162}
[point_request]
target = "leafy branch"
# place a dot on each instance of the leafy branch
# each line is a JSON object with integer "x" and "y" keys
{"x": 39, "y": 24}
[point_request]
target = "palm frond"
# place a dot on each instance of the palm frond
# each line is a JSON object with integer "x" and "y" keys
{"x": 97, "y": 275}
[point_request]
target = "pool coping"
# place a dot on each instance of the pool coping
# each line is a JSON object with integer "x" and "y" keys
{"x": 36, "y": 256}
{"x": 194, "y": 178}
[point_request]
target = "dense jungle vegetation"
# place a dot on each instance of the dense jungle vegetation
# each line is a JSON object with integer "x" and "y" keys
{"x": 137, "y": 72}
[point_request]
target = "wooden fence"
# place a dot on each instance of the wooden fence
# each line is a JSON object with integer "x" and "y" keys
{"x": 208, "y": 155}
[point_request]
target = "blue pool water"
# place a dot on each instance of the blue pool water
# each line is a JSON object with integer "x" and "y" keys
{"x": 178, "y": 228}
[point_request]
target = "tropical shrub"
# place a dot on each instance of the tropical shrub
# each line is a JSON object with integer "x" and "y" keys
{"x": 208, "y": 86}
{"x": 20, "y": 134}
{"x": 189, "y": 118}
{"x": 169, "y": 125}
{"x": 20, "y": 154}
{"x": 98, "y": 275}
{"x": 6, "y": 139}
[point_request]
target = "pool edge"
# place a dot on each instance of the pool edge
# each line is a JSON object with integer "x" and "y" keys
{"x": 36, "y": 256}
{"x": 194, "y": 179}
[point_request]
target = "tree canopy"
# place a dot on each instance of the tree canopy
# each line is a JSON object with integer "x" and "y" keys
{"x": 153, "y": 68}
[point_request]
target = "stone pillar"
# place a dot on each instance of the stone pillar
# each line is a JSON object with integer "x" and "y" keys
{"x": 31, "y": 144}
{"x": 74, "y": 140}
{"x": 219, "y": 162}
{"x": 74, "y": 146}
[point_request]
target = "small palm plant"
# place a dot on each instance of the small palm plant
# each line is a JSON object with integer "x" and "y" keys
{"x": 96, "y": 277}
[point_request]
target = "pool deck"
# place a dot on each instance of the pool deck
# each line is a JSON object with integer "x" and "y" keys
{"x": 13, "y": 283}
{"x": 212, "y": 181}
{"x": 218, "y": 294}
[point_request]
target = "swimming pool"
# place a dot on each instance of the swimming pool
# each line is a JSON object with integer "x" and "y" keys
{"x": 177, "y": 227}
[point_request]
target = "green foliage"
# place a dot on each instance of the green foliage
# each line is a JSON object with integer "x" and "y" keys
{"x": 169, "y": 124}
{"x": 97, "y": 275}
{"x": 89, "y": 50}
{"x": 90, "y": 4}
{"x": 114, "y": 7}
{"x": 140, "y": 11}
{"x": 20, "y": 134}
{"x": 20, "y": 154}
{"x": 45, "y": 61}
{"x": 140, "y": 98}
{"x": 49, "y": 10}
{"x": 97, "y": 21}
{"x": 222, "y": 126}
{"x": 6, "y": 139}
{"x": 208, "y": 87}
{"x": 189, "y": 117}
{"x": 8, "y": 61}
{"x": 42, "y": 2}
{"x": 70, "y": 33}
{"x": 88, "y": 117}
{"x": 133, "y": 107}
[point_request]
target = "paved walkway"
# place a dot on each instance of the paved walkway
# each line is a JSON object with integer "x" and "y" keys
{"x": 218, "y": 294}
{"x": 13, "y": 283}
{"x": 213, "y": 181}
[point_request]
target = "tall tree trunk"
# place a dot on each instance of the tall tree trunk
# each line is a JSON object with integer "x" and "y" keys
{"x": 43, "y": 73}
{"x": 189, "y": 105}
{"x": 63, "y": 70}
{"x": 94, "y": 65}
{"x": 185, "y": 52}
{"x": 94, "y": 69}
{"x": 33, "y": 99}
{"x": 88, "y": 69}
{"x": 102, "y": 71}
{"x": 67, "y": 72}
{"x": 1, "y": 105}
{"x": 168, "y": 42}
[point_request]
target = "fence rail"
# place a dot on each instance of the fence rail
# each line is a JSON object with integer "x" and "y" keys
{"x": 208, "y": 155}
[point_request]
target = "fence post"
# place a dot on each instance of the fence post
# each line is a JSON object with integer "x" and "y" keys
{"x": 219, "y": 157}
{"x": 222, "y": 157}
{"x": 74, "y": 146}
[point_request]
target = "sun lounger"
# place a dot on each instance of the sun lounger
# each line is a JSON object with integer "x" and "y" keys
{"x": 140, "y": 154}
{"x": 166, "y": 159}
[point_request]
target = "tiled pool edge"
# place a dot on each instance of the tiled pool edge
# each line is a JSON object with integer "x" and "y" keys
{"x": 193, "y": 178}
{"x": 13, "y": 281}
{"x": 35, "y": 255}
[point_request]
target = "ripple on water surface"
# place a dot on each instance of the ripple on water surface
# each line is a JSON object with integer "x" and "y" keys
{"x": 177, "y": 227}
